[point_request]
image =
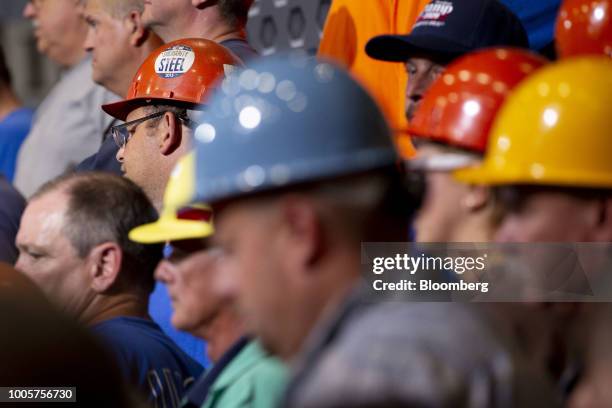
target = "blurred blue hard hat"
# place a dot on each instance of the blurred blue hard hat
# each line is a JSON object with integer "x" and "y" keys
{"x": 284, "y": 122}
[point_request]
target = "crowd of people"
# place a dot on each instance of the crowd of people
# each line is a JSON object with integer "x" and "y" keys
{"x": 183, "y": 221}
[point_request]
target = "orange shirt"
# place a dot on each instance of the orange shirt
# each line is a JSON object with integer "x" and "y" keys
{"x": 349, "y": 26}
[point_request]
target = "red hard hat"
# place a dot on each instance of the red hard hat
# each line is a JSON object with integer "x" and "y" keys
{"x": 460, "y": 106}
{"x": 584, "y": 27}
{"x": 182, "y": 73}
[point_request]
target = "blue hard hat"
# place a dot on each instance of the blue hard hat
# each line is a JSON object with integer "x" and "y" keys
{"x": 284, "y": 122}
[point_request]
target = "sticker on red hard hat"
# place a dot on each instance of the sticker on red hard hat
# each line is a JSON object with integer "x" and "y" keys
{"x": 174, "y": 61}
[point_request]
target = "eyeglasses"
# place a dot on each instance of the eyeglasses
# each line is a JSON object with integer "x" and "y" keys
{"x": 122, "y": 133}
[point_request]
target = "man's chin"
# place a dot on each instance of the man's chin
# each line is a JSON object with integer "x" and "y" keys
{"x": 96, "y": 76}
{"x": 42, "y": 48}
{"x": 182, "y": 324}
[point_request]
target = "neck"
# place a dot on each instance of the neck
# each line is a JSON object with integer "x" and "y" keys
{"x": 206, "y": 23}
{"x": 223, "y": 331}
{"x": 139, "y": 54}
{"x": 73, "y": 59}
{"x": 8, "y": 102}
{"x": 106, "y": 307}
{"x": 339, "y": 275}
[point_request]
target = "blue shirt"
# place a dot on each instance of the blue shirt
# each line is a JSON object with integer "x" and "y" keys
{"x": 149, "y": 359}
{"x": 105, "y": 159}
{"x": 13, "y": 130}
{"x": 538, "y": 18}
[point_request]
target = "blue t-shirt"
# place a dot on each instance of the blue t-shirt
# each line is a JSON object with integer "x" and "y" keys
{"x": 149, "y": 359}
{"x": 13, "y": 130}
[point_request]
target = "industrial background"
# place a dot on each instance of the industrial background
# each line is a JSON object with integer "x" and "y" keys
{"x": 274, "y": 25}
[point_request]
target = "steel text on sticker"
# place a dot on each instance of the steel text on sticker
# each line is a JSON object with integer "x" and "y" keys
{"x": 174, "y": 61}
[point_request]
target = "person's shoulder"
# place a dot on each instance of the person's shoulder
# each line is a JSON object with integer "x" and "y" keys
{"x": 135, "y": 334}
{"x": 456, "y": 334}
{"x": 143, "y": 340}
{"x": 21, "y": 117}
{"x": 11, "y": 198}
{"x": 266, "y": 370}
{"x": 77, "y": 85}
{"x": 241, "y": 48}
{"x": 417, "y": 353}
{"x": 254, "y": 379}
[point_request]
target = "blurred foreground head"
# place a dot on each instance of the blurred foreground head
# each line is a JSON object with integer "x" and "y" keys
{"x": 40, "y": 347}
{"x": 548, "y": 155}
{"x": 451, "y": 129}
{"x": 444, "y": 31}
{"x": 584, "y": 27}
{"x": 297, "y": 178}
{"x": 59, "y": 29}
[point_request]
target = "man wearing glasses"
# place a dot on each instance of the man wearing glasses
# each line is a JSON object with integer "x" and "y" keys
{"x": 166, "y": 91}
{"x": 168, "y": 88}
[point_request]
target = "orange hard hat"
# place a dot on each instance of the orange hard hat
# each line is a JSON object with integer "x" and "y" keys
{"x": 460, "y": 106}
{"x": 584, "y": 27}
{"x": 182, "y": 73}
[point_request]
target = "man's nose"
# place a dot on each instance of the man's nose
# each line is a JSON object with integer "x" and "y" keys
{"x": 164, "y": 271}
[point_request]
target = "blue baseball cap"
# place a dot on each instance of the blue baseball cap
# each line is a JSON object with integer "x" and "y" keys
{"x": 447, "y": 29}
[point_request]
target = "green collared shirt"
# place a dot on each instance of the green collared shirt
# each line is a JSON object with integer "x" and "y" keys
{"x": 252, "y": 379}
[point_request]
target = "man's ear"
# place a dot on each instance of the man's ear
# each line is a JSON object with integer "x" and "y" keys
{"x": 303, "y": 231}
{"x": 476, "y": 198}
{"x": 138, "y": 33}
{"x": 104, "y": 265}
{"x": 603, "y": 228}
{"x": 171, "y": 134}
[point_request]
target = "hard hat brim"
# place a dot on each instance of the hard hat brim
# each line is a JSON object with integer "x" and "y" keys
{"x": 169, "y": 228}
{"x": 121, "y": 109}
{"x": 485, "y": 175}
{"x": 481, "y": 175}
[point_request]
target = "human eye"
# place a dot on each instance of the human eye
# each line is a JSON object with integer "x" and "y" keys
{"x": 31, "y": 253}
{"x": 91, "y": 22}
{"x": 411, "y": 69}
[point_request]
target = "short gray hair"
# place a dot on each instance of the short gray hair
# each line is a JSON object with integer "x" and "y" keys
{"x": 120, "y": 8}
{"x": 104, "y": 208}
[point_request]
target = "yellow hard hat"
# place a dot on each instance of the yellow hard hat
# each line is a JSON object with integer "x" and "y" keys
{"x": 179, "y": 220}
{"x": 555, "y": 129}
